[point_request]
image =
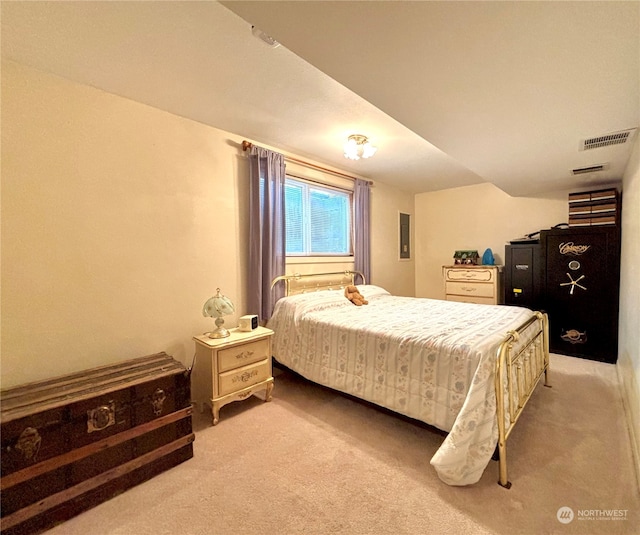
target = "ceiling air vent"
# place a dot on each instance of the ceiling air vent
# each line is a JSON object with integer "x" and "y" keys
{"x": 616, "y": 138}
{"x": 591, "y": 169}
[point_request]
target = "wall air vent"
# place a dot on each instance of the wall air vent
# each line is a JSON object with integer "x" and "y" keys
{"x": 591, "y": 169}
{"x": 616, "y": 138}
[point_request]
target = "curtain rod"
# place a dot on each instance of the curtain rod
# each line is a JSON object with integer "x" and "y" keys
{"x": 246, "y": 145}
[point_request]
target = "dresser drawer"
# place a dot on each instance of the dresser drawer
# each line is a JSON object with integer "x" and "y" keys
{"x": 243, "y": 377}
{"x": 242, "y": 355}
{"x": 470, "y": 289}
{"x": 461, "y": 274}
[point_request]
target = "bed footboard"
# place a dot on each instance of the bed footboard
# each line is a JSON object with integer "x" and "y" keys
{"x": 518, "y": 371}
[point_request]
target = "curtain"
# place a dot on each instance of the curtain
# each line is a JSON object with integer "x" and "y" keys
{"x": 267, "y": 255}
{"x": 362, "y": 240}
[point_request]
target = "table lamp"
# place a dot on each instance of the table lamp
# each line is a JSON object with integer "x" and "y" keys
{"x": 217, "y": 307}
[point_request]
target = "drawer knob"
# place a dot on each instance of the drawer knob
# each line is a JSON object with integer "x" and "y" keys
{"x": 101, "y": 417}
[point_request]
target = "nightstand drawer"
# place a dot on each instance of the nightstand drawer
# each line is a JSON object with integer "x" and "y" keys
{"x": 239, "y": 378}
{"x": 242, "y": 355}
{"x": 470, "y": 289}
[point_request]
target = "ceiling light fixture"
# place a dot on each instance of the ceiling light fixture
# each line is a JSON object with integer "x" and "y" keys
{"x": 358, "y": 146}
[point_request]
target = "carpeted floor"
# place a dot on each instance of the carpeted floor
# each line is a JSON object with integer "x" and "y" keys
{"x": 315, "y": 462}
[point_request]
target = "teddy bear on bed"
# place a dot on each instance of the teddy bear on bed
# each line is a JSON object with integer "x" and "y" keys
{"x": 353, "y": 295}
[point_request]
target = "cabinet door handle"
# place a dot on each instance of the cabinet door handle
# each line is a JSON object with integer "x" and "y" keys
{"x": 573, "y": 283}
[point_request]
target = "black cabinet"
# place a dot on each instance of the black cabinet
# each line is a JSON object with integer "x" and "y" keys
{"x": 523, "y": 275}
{"x": 580, "y": 287}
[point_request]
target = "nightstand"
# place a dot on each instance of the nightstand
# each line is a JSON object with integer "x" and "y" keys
{"x": 473, "y": 284}
{"x": 231, "y": 369}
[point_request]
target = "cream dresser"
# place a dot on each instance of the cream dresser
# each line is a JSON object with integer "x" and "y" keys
{"x": 231, "y": 369}
{"x": 473, "y": 284}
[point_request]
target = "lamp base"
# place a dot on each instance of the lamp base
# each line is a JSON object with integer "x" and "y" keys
{"x": 220, "y": 332}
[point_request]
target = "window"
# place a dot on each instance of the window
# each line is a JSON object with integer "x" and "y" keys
{"x": 318, "y": 219}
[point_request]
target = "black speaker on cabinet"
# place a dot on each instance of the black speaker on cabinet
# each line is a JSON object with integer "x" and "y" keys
{"x": 523, "y": 275}
{"x": 580, "y": 286}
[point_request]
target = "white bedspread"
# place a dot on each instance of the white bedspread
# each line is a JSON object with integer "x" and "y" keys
{"x": 428, "y": 359}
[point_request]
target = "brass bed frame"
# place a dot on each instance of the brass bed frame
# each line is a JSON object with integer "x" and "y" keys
{"x": 517, "y": 373}
{"x": 298, "y": 284}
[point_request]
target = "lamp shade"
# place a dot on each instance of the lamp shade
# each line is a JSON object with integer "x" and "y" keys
{"x": 217, "y": 307}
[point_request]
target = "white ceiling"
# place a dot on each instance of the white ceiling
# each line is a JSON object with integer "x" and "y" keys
{"x": 505, "y": 90}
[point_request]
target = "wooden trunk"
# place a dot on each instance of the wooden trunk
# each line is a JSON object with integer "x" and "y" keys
{"x": 73, "y": 442}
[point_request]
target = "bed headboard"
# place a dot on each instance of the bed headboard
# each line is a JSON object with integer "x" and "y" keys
{"x": 313, "y": 282}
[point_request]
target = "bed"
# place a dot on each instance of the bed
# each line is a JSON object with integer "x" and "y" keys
{"x": 464, "y": 368}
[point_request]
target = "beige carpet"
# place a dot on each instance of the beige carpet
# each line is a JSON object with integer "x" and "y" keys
{"x": 315, "y": 462}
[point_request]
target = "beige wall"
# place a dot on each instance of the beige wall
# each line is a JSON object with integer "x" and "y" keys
{"x": 629, "y": 332}
{"x": 473, "y": 217}
{"x": 387, "y": 269}
{"x": 118, "y": 222}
